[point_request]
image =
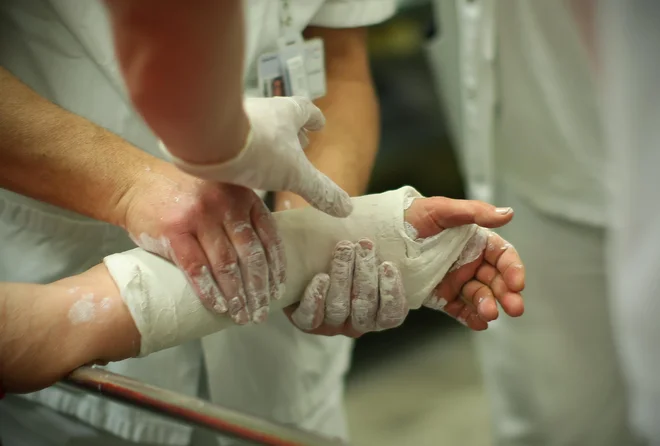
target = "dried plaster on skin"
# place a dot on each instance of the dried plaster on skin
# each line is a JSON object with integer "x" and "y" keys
{"x": 86, "y": 308}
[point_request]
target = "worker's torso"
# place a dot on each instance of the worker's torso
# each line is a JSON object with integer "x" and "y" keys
{"x": 63, "y": 50}
{"x": 548, "y": 141}
{"x": 517, "y": 83}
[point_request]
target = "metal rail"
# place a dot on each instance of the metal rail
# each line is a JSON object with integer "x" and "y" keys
{"x": 191, "y": 410}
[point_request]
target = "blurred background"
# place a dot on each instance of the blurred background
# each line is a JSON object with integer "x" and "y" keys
{"x": 418, "y": 384}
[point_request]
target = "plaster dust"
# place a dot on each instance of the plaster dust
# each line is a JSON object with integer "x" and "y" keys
{"x": 83, "y": 310}
{"x": 167, "y": 312}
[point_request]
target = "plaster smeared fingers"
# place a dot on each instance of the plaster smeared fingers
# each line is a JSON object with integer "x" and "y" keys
{"x": 227, "y": 273}
{"x": 506, "y": 259}
{"x": 342, "y": 266}
{"x": 429, "y": 216}
{"x": 436, "y": 300}
{"x": 393, "y": 306}
{"x": 310, "y": 313}
{"x": 480, "y": 296}
{"x": 465, "y": 315}
{"x": 364, "y": 296}
{"x": 253, "y": 265}
{"x": 490, "y": 276}
{"x": 189, "y": 256}
{"x": 510, "y": 301}
{"x": 266, "y": 228}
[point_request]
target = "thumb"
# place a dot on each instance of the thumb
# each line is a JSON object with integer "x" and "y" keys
{"x": 323, "y": 193}
{"x": 308, "y": 115}
{"x": 429, "y": 216}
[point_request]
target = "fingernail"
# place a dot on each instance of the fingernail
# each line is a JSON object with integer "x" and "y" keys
{"x": 503, "y": 211}
{"x": 220, "y": 306}
{"x": 242, "y": 317}
{"x": 260, "y": 315}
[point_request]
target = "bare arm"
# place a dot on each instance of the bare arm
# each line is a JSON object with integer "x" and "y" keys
{"x": 58, "y": 157}
{"x": 346, "y": 149}
{"x": 47, "y": 331}
{"x": 183, "y": 65}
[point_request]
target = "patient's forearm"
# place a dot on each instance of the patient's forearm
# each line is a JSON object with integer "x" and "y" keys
{"x": 46, "y": 331}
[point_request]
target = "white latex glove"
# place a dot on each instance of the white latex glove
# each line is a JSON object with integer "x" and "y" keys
{"x": 358, "y": 296}
{"x": 273, "y": 158}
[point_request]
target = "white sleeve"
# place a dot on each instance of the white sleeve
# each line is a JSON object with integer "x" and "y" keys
{"x": 353, "y": 13}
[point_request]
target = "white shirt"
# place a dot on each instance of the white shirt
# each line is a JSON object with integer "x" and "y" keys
{"x": 63, "y": 50}
{"x": 527, "y": 111}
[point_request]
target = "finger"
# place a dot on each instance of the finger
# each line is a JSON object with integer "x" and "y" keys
{"x": 303, "y": 138}
{"x": 253, "y": 265}
{"x": 311, "y": 311}
{"x": 308, "y": 115}
{"x": 511, "y": 301}
{"x": 364, "y": 295}
{"x": 429, "y": 216}
{"x": 436, "y": 301}
{"x": 393, "y": 307}
{"x": 506, "y": 259}
{"x": 338, "y": 302}
{"x": 480, "y": 296}
{"x": 264, "y": 224}
{"x": 321, "y": 192}
{"x": 189, "y": 256}
{"x": 465, "y": 315}
{"x": 490, "y": 276}
{"x": 226, "y": 272}
{"x": 474, "y": 322}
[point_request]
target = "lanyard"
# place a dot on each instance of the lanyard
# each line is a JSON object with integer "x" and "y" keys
{"x": 286, "y": 19}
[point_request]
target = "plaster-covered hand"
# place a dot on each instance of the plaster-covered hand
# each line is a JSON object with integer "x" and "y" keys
{"x": 273, "y": 158}
{"x": 358, "y": 295}
{"x": 221, "y": 236}
{"x": 488, "y": 272}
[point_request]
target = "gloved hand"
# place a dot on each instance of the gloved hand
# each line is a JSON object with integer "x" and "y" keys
{"x": 273, "y": 158}
{"x": 221, "y": 236}
{"x": 359, "y": 295}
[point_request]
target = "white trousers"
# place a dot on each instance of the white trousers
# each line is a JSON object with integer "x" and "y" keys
{"x": 552, "y": 375}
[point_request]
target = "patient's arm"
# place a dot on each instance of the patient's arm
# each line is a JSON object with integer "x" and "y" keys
{"x": 167, "y": 314}
{"x": 46, "y": 331}
{"x": 104, "y": 315}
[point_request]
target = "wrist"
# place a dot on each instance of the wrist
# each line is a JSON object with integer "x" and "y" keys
{"x": 138, "y": 179}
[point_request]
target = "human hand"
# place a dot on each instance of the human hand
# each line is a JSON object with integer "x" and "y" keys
{"x": 273, "y": 158}
{"x": 358, "y": 295}
{"x": 488, "y": 272}
{"x": 221, "y": 236}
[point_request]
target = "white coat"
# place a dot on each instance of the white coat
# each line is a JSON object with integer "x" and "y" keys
{"x": 551, "y": 153}
{"x": 518, "y": 87}
{"x": 629, "y": 37}
{"x": 63, "y": 50}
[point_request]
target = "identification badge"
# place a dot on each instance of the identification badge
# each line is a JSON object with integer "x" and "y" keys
{"x": 271, "y": 75}
{"x": 296, "y": 69}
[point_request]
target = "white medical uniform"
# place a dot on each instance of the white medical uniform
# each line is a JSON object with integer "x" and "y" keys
{"x": 518, "y": 88}
{"x": 631, "y": 70}
{"x": 63, "y": 50}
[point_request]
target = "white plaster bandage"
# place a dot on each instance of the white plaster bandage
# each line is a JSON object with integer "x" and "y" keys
{"x": 167, "y": 312}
